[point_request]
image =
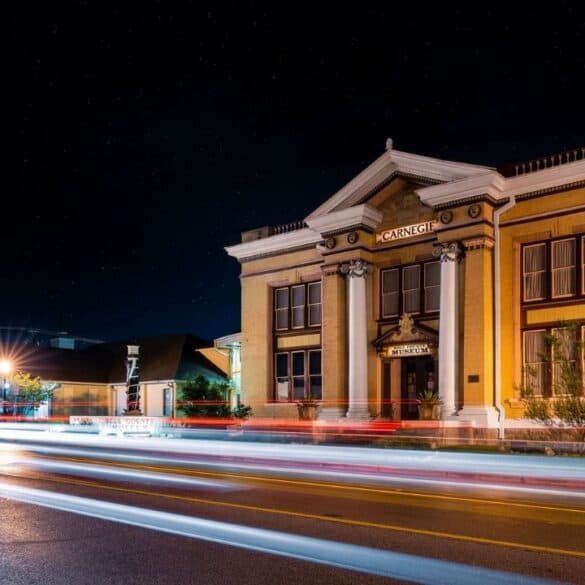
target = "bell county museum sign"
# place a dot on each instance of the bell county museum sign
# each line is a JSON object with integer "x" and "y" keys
{"x": 407, "y": 231}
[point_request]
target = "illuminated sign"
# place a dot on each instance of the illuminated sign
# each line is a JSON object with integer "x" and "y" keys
{"x": 408, "y": 349}
{"x": 407, "y": 231}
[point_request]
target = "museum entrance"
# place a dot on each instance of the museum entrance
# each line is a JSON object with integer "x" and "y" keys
{"x": 418, "y": 376}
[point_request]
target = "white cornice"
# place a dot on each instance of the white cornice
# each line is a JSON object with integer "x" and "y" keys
{"x": 288, "y": 241}
{"x": 396, "y": 161}
{"x": 365, "y": 215}
{"x": 546, "y": 179}
{"x": 491, "y": 183}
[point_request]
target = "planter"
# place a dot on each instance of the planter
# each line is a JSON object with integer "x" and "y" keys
{"x": 429, "y": 411}
{"x": 308, "y": 411}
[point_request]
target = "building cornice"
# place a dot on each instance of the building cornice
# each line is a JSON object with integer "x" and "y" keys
{"x": 490, "y": 184}
{"x": 266, "y": 246}
{"x": 360, "y": 215}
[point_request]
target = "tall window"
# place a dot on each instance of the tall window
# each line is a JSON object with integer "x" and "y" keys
{"x": 432, "y": 286}
{"x": 564, "y": 360}
{"x": 297, "y": 306}
{"x": 534, "y": 270}
{"x": 390, "y": 292}
{"x": 535, "y": 361}
{"x": 298, "y": 375}
{"x": 411, "y": 289}
{"x": 403, "y": 289}
{"x": 281, "y": 308}
{"x": 314, "y": 303}
{"x": 563, "y": 264}
{"x": 554, "y": 270}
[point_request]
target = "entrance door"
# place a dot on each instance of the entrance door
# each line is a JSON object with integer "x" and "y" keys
{"x": 418, "y": 375}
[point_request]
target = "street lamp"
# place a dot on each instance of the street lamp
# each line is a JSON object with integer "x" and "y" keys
{"x": 5, "y": 369}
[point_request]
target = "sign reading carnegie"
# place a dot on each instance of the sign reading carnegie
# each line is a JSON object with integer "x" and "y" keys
{"x": 407, "y": 231}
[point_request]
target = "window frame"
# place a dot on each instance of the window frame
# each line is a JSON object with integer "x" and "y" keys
{"x": 425, "y": 287}
{"x": 291, "y": 326}
{"x": 544, "y": 271}
{"x": 422, "y": 310}
{"x": 553, "y": 243}
{"x": 290, "y": 377}
{"x": 578, "y": 271}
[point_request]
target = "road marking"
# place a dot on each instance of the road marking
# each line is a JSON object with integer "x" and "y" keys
{"x": 344, "y": 487}
{"x": 343, "y": 521}
{"x": 406, "y": 567}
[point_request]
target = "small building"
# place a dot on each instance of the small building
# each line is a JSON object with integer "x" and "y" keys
{"x": 92, "y": 381}
{"x": 420, "y": 274}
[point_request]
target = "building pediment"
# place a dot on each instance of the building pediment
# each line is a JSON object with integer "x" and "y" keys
{"x": 407, "y": 338}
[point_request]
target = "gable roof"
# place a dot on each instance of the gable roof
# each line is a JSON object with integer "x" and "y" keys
{"x": 164, "y": 357}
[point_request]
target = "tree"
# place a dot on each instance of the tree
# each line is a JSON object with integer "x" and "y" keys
{"x": 563, "y": 359}
{"x": 29, "y": 392}
{"x": 202, "y": 398}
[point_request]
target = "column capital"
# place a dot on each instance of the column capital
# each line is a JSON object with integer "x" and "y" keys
{"x": 355, "y": 268}
{"x": 448, "y": 252}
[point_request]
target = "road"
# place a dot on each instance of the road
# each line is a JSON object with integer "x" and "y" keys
{"x": 88, "y": 509}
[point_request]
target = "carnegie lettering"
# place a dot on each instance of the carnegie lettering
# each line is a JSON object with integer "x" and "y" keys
{"x": 407, "y": 231}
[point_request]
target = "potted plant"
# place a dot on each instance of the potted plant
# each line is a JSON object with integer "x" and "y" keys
{"x": 429, "y": 405}
{"x": 308, "y": 408}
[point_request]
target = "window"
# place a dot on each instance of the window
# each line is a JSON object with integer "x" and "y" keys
{"x": 554, "y": 270}
{"x": 298, "y": 375}
{"x": 535, "y": 361}
{"x": 402, "y": 289}
{"x": 281, "y": 308}
{"x": 534, "y": 270}
{"x": 563, "y": 268}
{"x": 564, "y": 360}
{"x": 314, "y": 303}
{"x": 390, "y": 291}
{"x": 411, "y": 289}
{"x": 297, "y": 306}
{"x": 432, "y": 286}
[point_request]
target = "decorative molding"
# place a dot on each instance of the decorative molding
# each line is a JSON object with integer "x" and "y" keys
{"x": 267, "y": 246}
{"x": 358, "y": 215}
{"x": 352, "y": 238}
{"x": 478, "y": 243}
{"x": 448, "y": 252}
{"x": 489, "y": 183}
{"x": 474, "y": 210}
{"x": 355, "y": 268}
{"x": 330, "y": 270}
{"x": 446, "y": 216}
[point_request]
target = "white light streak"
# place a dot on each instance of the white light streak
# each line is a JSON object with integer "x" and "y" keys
{"x": 410, "y": 568}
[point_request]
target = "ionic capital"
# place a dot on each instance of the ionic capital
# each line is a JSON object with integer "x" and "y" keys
{"x": 448, "y": 252}
{"x": 355, "y": 268}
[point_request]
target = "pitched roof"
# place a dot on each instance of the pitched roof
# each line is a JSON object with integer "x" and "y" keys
{"x": 164, "y": 357}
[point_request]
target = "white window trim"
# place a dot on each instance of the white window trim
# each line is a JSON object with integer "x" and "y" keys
{"x": 553, "y": 269}
{"x": 425, "y": 287}
{"x": 405, "y": 290}
{"x": 309, "y": 304}
{"x": 524, "y": 273}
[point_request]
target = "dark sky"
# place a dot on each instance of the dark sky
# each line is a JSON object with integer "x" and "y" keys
{"x": 139, "y": 140}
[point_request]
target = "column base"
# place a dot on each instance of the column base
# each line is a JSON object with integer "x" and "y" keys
{"x": 358, "y": 413}
{"x": 480, "y": 416}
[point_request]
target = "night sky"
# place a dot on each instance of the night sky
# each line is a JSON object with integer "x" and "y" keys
{"x": 139, "y": 140}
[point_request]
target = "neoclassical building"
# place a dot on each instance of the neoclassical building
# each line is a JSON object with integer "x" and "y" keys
{"x": 420, "y": 274}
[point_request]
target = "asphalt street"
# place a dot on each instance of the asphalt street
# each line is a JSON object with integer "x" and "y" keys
{"x": 83, "y": 516}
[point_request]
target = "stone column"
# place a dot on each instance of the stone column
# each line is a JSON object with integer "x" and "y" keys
{"x": 450, "y": 255}
{"x": 357, "y": 271}
{"x": 334, "y": 344}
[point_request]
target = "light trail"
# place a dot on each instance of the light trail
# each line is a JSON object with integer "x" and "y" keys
{"x": 125, "y": 474}
{"x": 412, "y": 568}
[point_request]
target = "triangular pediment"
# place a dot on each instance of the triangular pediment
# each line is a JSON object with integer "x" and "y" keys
{"x": 406, "y": 332}
{"x": 395, "y": 166}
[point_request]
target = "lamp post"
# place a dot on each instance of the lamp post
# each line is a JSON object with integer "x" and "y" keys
{"x": 5, "y": 369}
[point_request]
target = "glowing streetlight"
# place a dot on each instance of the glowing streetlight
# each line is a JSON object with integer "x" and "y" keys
{"x": 5, "y": 369}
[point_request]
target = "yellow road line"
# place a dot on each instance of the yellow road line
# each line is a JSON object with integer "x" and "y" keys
{"x": 330, "y": 485}
{"x": 343, "y": 521}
